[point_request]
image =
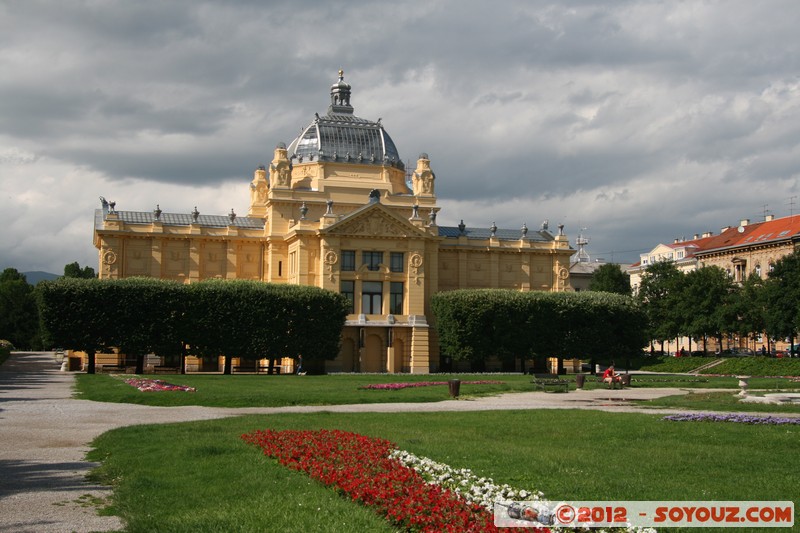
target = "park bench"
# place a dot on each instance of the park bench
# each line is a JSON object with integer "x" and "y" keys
{"x": 244, "y": 368}
{"x": 252, "y": 368}
{"x": 625, "y": 381}
{"x": 166, "y": 370}
{"x": 112, "y": 368}
{"x": 550, "y": 382}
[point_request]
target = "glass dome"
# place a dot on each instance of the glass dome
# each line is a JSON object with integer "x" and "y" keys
{"x": 342, "y": 136}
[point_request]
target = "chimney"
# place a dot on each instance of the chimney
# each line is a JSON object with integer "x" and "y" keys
{"x": 696, "y": 236}
{"x": 708, "y": 234}
{"x": 769, "y": 218}
{"x": 724, "y": 229}
{"x": 744, "y": 222}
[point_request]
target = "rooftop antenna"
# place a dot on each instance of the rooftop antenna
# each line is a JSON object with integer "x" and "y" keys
{"x": 791, "y": 205}
{"x": 764, "y": 212}
{"x": 581, "y": 256}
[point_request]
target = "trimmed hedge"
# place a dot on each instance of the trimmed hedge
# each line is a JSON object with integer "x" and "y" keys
{"x": 235, "y": 318}
{"x": 251, "y": 320}
{"x": 474, "y": 325}
{"x": 5, "y": 350}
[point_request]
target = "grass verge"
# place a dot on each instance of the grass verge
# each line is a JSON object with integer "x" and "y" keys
{"x": 717, "y": 401}
{"x": 199, "y": 476}
{"x": 751, "y": 366}
{"x": 279, "y": 391}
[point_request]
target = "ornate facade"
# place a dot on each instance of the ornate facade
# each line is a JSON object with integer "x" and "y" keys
{"x": 337, "y": 209}
{"x": 742, "y": 251}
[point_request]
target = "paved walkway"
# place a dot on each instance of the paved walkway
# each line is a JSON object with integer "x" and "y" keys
{"x": 44, "y": 436}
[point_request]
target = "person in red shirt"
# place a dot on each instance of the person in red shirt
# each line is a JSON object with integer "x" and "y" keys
{"x": 611, "y": 377}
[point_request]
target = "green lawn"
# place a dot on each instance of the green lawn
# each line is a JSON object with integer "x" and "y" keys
{"x": 753, "y": 366}
{"x": 717, "y": 401}
{"x": 277, "y": 391}
{"x": 200, "y": 477}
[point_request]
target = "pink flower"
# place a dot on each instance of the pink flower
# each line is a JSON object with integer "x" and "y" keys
{"x": 156, "y": 385}
{"x": 397, "y": 386}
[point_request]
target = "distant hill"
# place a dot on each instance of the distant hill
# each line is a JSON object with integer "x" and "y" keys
{"x": 37, "y": 276}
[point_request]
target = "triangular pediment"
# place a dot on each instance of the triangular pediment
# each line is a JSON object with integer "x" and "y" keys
{"x": 374, "y": 220}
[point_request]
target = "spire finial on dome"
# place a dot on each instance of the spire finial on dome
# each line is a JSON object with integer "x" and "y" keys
{"x": 340, "y": 97}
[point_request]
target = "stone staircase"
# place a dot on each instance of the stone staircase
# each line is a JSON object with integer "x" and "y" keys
{"x": 706, "y": 366}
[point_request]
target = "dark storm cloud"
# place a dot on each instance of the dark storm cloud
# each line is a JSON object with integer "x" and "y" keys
{"x": 635, "y": 118}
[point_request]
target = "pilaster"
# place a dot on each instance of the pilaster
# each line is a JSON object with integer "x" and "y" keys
{"x": 420, "y": 349}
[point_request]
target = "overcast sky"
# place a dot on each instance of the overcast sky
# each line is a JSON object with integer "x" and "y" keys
{"x": 640, "y": 121}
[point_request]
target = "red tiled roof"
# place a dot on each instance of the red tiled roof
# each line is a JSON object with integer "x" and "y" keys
{"x": 778, "y": 229}
{"x": 775, "y": 230}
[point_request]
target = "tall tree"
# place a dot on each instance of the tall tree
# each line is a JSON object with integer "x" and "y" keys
{"x": 704, "y": 295}
{"x": 659, "y": 293}
{"x": 253, "y": 320}
{"x": 74, "y": 270}
{"x": 19, "y": 317}
{"x": 750, "y": 307}
{"x": 783, "y": 297}
{"x": 77, "y": 314}
{"x": 148, "y": 316}
{"x": 610, "y": 278}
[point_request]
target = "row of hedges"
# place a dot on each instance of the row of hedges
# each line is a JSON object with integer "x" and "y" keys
{"x": 475, "y": 325}
{"x": 5, "y": 350}
{"x": 235, "y": 318}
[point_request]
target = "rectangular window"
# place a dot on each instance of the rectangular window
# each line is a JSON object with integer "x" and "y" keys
{"x": 372, "y": 297}
{"x": 396, "y": 261}
{"x": 348, "y": 290}
{"x": 348, "y": 260}
{"x": 396, "y": 298}
{"x": 371, "y": 259}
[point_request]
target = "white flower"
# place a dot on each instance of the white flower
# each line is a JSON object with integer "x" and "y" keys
{"x": 481, "y": 491}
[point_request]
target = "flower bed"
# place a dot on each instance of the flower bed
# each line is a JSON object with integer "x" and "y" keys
{"x": 397, "y": 386}
{"x": 480, "y": 490}
{"x": 156, "y": 385}
{"x": 362, "y": 468}
{"x": 414, "y": 493}
{"x": 741, "y": 419}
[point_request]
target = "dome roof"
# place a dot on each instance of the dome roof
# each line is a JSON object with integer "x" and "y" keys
{"x": 342, "y": 136}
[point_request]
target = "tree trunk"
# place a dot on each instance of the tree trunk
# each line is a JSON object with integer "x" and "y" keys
{"x": 228, "y": 365}
{"x": 91, "y": 362}
{"x": 139, "y": 363}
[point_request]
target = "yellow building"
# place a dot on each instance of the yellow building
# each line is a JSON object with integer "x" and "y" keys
{"x": 337, "y": 209}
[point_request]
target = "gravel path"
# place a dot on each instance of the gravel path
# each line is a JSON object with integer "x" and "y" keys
{"x": 44, "y": 437}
